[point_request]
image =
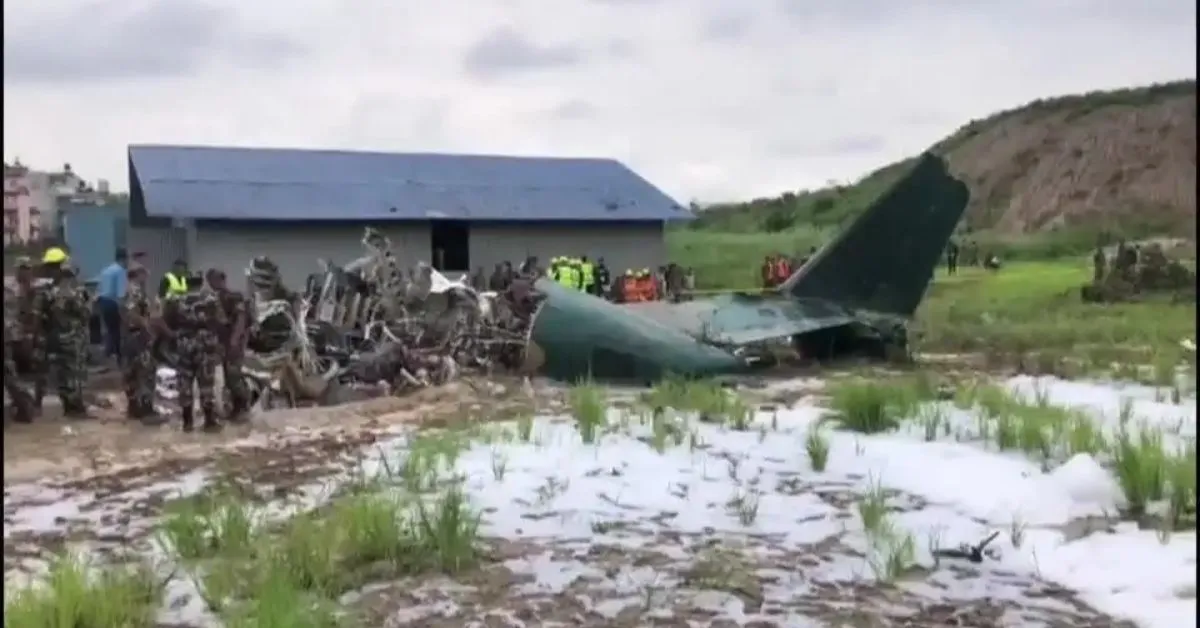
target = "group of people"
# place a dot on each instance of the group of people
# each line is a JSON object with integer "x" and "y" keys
{"x": 670, "y": 282}
{"x": 504, "y": 274}
{"x": 777, "y": 268}
{"x": 969, "y": 254}
{"x": 1146, "y": 267}
{"x": 192, "y": 326}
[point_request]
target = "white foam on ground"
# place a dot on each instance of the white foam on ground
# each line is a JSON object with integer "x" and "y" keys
{"x": 620, "y": 491}
{"x": 970, "y": 492}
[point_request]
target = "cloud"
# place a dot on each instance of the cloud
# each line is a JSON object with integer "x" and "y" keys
{"x": 98, "y": 42}
{"x": 842, "y": 146}
{"x": 505, "y": 51}
{"x": 710, "y": 99}
{"x": 726, "y": 27}
{"x": 573, "y": 109}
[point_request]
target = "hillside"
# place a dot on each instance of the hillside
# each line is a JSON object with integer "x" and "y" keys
{"x": 1115, "y": 161}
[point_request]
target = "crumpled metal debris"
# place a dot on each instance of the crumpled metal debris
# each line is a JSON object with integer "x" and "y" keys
{"x": 370, "y": 322}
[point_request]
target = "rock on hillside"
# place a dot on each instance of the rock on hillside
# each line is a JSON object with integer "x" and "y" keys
{"x": 1106, "y": 159}
{"x": 1119, "y": 160}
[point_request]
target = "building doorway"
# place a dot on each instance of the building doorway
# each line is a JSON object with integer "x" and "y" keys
{"x": 450, "y": 245}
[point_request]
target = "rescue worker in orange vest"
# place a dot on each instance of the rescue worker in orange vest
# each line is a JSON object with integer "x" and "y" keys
{"x": 626, "y": 291}
{"x": 783, "y": 270}
{"x": 649, "y": 289}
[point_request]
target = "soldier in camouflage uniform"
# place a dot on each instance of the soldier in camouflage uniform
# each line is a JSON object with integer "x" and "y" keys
{"x": 19, "y": 394}
{"x": 137, "y": 341}
{"x": 28, "y": 351}
{"x": 233, "y": 336}
{"x": 65, "y": 308}
{"x": 195, "y": 320}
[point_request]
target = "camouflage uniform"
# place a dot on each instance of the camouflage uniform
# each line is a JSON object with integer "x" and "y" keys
{"x": 196, "y": 319}
{"x": 234, "y": 306}
{"x": 65, "y": 309}
{"x": 136, "y": 352}
{"x": 29, "y": 338}
{"x": 21, "y": 399}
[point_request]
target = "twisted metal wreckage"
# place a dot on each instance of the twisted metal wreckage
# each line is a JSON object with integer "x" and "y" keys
{"x": 370, "y": 322}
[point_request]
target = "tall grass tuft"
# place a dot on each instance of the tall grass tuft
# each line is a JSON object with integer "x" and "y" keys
{"x": 869, "y": 407}
{"x": 76, "y": 595}
{"x": 589, "y": 407}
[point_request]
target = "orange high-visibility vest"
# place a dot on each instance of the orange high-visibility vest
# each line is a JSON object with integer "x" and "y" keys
{"x": 783, "y": 270}
{"x": 629, "y": 290}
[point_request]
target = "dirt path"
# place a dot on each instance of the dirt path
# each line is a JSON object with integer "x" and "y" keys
{"x": 60, "y": 449}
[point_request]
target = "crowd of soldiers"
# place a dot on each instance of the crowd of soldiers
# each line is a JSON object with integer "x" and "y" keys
{"x": 669, "y": 282}
{"x": 1138, "y": 268}
{"x": 194, "y": 330}
{"x": 969, "y": 254}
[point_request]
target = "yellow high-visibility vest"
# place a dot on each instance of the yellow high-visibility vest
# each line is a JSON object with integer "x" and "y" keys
{"x": 589, "y": 275}
{"x": 176, "y": 285}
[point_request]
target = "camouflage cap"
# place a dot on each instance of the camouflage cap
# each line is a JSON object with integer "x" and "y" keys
{"x": 134, "y": 267}
{"x": 24, "y": 261}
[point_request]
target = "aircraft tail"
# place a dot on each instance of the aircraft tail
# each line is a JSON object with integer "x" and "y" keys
{"x": 884, "y": 261}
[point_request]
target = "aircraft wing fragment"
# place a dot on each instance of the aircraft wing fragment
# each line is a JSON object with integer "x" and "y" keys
{"x": 743, "y": 319}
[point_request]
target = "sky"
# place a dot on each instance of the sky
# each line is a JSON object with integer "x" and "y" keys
{"x": 711, "y": 100}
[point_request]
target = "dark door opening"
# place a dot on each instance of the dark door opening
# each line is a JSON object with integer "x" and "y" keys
{"x": 450, "y": 245}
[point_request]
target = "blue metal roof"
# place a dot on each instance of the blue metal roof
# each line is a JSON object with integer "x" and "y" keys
{"x": 286, "y": 184}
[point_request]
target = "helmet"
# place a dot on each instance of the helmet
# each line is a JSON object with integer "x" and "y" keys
{"x": 54, "y": 255}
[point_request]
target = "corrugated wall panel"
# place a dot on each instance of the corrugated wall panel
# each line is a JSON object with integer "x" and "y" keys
{"x": 160, "y": 247}
{"x": 296, "y": 249}
{"x": 91, "y": 236}
{"x": 621, "y": 246}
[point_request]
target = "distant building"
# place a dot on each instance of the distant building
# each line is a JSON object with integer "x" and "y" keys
{"x": 22, "y": 222}
{"x": 32, "y": 198}
{"x": 219, "y": 207}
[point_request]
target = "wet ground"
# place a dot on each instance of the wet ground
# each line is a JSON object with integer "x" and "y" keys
{"x": 706, "y": 526}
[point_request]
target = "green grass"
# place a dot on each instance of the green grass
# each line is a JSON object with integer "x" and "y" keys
{"x": 589, "y": 407}
{"x": 816, "y": 446}
{"x": 731, "y": 261}
{"x": 1027, "y": 311}
{"x": 75, "y": 595}
{"x": 253, "y": 571}
{"x": 1035, "y": 307}
{"x": 871, "y": 407}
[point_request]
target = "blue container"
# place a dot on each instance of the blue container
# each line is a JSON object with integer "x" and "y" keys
{"x": 93, "y": 233}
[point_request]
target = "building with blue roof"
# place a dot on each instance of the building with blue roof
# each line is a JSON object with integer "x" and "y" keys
{"x": 219, "y": 207}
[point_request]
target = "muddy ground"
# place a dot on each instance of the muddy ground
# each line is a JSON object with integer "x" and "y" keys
{"x": 115, "y": 472}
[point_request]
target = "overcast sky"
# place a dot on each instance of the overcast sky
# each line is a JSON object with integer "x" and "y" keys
{"x": 710, "y": 99}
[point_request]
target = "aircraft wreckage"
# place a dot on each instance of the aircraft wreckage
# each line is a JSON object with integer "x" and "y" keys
{"x": 371, "y": 321}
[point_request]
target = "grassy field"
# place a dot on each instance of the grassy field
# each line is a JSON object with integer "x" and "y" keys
{"x": 1029, "y": 308}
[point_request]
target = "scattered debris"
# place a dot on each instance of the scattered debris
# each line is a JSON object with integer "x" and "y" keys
{"x": 372, "y": 324}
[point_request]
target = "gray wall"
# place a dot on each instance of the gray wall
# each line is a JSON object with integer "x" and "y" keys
{"x": 622, "y": 246}
{"x": 296, "y": 248}
{"x": 161, "y": 246}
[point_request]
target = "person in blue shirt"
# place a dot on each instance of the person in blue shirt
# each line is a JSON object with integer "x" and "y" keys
{"x": 110, "y": 290}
